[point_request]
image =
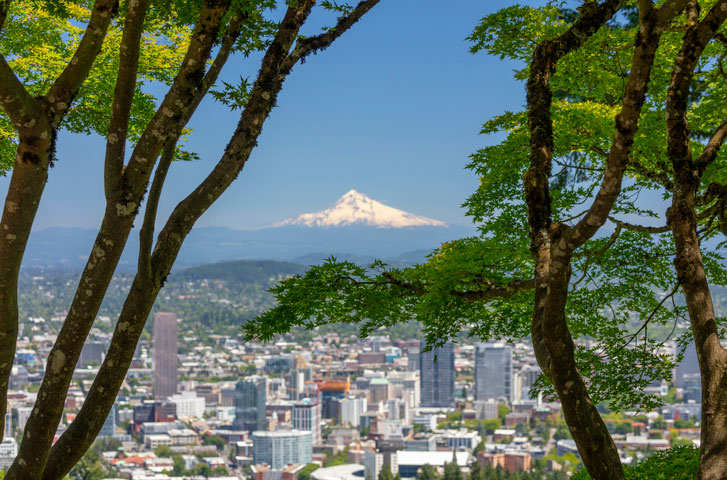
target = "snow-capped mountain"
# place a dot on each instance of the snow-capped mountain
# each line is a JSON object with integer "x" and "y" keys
{"x": 356, "y": 208}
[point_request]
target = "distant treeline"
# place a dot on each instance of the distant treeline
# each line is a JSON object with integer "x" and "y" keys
{"x": 263, "y": 272}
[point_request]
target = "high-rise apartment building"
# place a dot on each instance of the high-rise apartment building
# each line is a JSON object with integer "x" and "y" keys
{"x": 493, "y": 372}
{"x": 436, "y": 372}
{"x": 165, "y": 355}
{"x": 351, "y": 410}
{"x": 307, "y": 418}
{"x": 250, "y": 402}
{"x": 280, "y": 448}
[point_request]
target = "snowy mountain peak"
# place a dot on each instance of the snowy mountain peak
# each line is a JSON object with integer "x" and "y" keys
{"x": 355, "y": 208}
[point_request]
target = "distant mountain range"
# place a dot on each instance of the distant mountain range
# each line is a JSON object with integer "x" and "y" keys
{"x": 356, "y": 227}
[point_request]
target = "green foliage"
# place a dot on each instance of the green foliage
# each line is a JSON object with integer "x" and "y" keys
{"x": 562, "y": 432}
{"x": 215, "y": 440}
{"x": 385, "y": 473}
{"x": 40, "y": 37}
{"x": 340, "y": 458}
{"x": 163, "y": 451}
{"x": 427, "y": 472}
{"x": 674, "y": 463}
{"x": 452, "y": 470}
{"x": 89, "y": 467}
{"x": 304, "y": 473}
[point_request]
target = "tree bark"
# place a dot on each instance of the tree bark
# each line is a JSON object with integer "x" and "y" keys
{"x": 121, "y": 208}
{"x": 36, "y": 121}
{"x": 683, "y": 220}
{"x": 153, "y": 272}
{"x": 552, "y": 245}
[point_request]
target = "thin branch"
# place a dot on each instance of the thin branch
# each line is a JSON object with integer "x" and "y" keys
{"x": 494, "y": 291}
{"x": 712, "y": 149}
{"x": 655, "y": 176}
{"x": 648, "y": 319}
{"x": 612, "y": 239}
{"x": 61, "y": 93}
{"x": 124, "y": 93}
{"x": 146, "y": 234}
{"x": 306, "y": 46}
{"x": 639, "y": 228}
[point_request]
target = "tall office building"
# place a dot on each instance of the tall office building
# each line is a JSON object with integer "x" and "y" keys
{"x": 165, "y": 355}
{"x": 493, "y": 372}
{"x": 307, "y": 418}
{"x": 109, "y": 427}
{"x": 280, "y": 448}
{"x": 436, "y": 372}
{"x": 8, "y": 422}
{"x": 250, "y": 402}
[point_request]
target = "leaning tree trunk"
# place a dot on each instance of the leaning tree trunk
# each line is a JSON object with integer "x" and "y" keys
{"x": 682, "y": 218}
{"x": 36, "y": 121}
{"x": 155, "y": 266}
{"x": 552, "y": 244}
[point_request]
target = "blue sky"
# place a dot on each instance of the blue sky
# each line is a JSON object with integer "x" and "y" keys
{"x": 393, "y": 109}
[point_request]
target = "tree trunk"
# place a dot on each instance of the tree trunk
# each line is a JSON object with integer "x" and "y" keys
{"x": 595, "y": 445}
{"x": 682, "y": 218}
{"x": 27, "y": 182}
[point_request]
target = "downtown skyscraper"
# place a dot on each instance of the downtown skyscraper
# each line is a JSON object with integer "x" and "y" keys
{"x": 165, "y": 356}
{"x": 436, "y": 371}
{"x": 250, "y": 401}
{"x": 493, "y": 372}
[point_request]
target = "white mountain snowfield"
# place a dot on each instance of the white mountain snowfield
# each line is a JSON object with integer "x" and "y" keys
{"x": 356, "y": 208}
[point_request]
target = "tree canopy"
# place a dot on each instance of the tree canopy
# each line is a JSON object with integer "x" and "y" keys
{"x": 89, "y": 67}
{"x": 577, "y": 249}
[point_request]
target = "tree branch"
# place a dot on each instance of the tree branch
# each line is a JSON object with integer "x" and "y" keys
{"x": 712, "y": 149}
{"x": 653, "y": 22}
{"x": 146, "y": 234}
{"x": 648, "y": 319}
{"x": 61, "y": 93}
{"x": 110, "y": 241}
{"x": 494, "y": 291}
{"x": 124, "y": 93}
{"x": 306, "y": 46}
{"x": 639, "y": 228}
{"x": 15, "y": 100}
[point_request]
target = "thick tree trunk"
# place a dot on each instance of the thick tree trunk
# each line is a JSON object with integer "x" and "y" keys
{"x": 712, "y": 357}
{"x": 595, "y": 445}
{"x": 27, "y": 182}
{"x": 276, "y": 65}
{"x": 121, "y": 208}
{"x": 682, "y": 218}
{"x": 553, "y": 244}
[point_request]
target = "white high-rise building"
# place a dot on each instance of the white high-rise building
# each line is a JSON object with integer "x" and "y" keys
{"x": 23, "y": 415}
{"x": 8, "y": 452}
{"x": 373, "y": 463}
{"x": 351, "y": 410}
{"x": 398, "y": 410}
{"x": 189, "y": 405}
{"x": 307, "y": 417}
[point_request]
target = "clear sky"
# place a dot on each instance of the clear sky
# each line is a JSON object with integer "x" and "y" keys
{"x": 393, "y": 109}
